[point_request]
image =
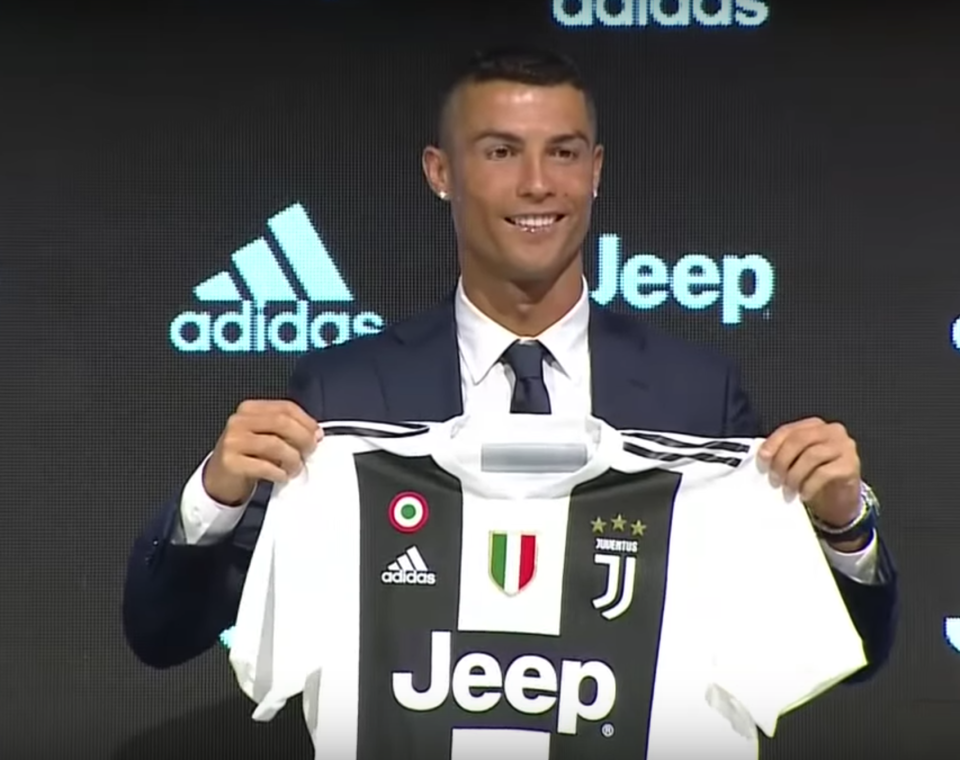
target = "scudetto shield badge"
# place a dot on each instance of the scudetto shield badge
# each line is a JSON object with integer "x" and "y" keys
{"x": 512, "y": 560}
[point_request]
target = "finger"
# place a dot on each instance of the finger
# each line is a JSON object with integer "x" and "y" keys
{"x": 267, "y": 407}
{"x": 289, "y": 429}
{"x": 793, "y": 447}
{"x": 261, "y": 469}
{"x": 790, "y": 449}
{"x": 295, "y": 411}
{"x": 821, "y": 477}
{"x": 810, "y": 459}
{"x": 272, "y": 449}
{"x": 266, "y": 423}
{"x": 775, "y": 440}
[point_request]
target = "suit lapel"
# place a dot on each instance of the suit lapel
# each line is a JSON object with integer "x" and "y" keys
{"x": 420, "y": 370}
{"x": 620, "y": 377}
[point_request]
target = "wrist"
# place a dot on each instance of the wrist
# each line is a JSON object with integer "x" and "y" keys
{"x": 858, "y": 531}
{"x": 849, "y": 547}
{"x": 228, "y": 492}
{"x": 845, "y": 522}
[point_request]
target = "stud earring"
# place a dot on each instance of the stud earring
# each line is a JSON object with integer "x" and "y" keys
{"x": 443, "y": 195}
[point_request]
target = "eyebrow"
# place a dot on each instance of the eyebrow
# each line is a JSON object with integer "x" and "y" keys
{"x": 489, "y": 134}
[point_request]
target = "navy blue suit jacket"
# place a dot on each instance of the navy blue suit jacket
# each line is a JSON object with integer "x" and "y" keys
{"x": 177, "y": 599}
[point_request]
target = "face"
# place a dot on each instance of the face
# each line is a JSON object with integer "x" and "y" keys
{"x": 519, "y": 167}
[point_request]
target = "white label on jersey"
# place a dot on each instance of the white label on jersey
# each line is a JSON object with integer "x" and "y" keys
{"x": 621, "y": 574}
{"x": 477, "y": 682}
{"x": 408, "y": 569}
{"x": 617, "y": 545}
{"x": 408, "y": 577}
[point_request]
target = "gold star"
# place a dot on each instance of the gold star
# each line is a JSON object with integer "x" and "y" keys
{"x": 597, "y": 525}
{"x": 638, "y": 528}
{"x": 619, "y": 523}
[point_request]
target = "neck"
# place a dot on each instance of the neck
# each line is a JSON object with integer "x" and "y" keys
{"x": 525, "y": 308}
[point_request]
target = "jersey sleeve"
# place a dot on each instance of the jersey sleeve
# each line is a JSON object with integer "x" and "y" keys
{"x": 785, "y": 635}
{"x": 282, "y": 630}
{"x": 252, "y": 641}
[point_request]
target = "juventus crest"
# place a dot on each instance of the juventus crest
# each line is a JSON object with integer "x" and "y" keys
{"x": 618, "y": 554}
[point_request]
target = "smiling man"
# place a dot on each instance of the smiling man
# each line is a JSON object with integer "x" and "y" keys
{"x": 519, "y": 163}
{"x": 520, "y": 166}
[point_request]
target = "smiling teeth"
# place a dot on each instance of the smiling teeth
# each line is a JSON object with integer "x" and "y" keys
{"x": 535, "y": 221}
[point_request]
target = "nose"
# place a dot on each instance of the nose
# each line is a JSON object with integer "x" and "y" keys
{"x": 534, "y": 179}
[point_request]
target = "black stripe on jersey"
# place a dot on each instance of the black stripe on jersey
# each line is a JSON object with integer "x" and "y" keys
{"x": 673, "y": 443}
{"x": 602, "y": 561}
{"x": 664, "y": 456}
{"x": 404, "y": 431}
{"x": 400, "y": 610}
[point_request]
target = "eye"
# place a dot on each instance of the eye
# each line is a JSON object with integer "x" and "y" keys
{"x": 566, "y": 154}
{"x": 500, "y": 152}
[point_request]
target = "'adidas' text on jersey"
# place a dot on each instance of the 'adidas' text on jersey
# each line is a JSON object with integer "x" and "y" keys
{"x": 409, "y": 568}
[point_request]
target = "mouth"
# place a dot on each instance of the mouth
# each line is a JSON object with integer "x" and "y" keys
{"x": 536, "y": 224}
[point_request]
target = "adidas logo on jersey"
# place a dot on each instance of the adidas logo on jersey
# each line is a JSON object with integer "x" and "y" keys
{"x": 530, "y": 684}
{"x": 408, "y": 569}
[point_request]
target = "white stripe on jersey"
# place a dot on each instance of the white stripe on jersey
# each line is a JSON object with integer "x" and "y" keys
{"x": 366, "y": 429}
{"x": 677, "y": 449}
{"x": 417, "y": 559}
{"x": 681, "y": 442}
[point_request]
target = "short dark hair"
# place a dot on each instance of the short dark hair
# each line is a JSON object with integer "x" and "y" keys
{"x": 523, "y": 65}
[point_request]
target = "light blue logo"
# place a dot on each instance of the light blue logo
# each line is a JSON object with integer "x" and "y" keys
{"x": 955, "y": 334}
{"x": 695, "y": 282}
{"x": 273, "y": 315}
{"x": 671, "y": 14}
{"x": 226, "y": 637}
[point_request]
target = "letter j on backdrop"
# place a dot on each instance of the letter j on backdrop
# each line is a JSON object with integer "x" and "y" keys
{"x": 734, "y": 284}
{"x": 951, "y": 632}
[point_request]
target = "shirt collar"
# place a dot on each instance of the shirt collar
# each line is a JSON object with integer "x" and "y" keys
{"x": 482, "y": 341}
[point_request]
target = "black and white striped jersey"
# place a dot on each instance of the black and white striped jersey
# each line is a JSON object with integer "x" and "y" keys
{"x": 537, "y": 588}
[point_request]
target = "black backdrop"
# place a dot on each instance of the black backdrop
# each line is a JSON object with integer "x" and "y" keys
{"x": 138, "y": 153}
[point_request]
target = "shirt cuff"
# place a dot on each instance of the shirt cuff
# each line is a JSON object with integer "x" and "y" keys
{"x": 204, "y": 521}
{"x": 860, "y": 566}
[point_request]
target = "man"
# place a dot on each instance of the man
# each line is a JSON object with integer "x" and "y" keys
{"x": 519, "y": 163}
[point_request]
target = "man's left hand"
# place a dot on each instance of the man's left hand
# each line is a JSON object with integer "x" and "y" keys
{"x": 818, "y": 461}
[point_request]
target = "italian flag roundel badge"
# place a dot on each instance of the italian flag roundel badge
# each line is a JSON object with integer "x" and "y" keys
{"x": 408, "y": 512}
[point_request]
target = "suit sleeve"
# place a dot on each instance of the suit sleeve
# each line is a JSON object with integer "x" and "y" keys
{"x": 740, "y": 420}
{"x": 178, "y": 598}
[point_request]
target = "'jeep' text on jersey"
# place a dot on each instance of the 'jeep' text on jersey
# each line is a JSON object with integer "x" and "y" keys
{"x": 466, "y": 590}
{"x": 478, "y": 682}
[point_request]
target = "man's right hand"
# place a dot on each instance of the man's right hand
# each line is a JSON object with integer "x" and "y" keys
{"x": 262, "y": 440}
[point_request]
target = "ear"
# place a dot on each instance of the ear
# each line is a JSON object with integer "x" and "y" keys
{"x": 436, "y": 168}
{"x": 597, "y": 168}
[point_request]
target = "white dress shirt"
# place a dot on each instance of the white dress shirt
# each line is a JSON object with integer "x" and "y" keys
{"x": 487, "y": 383}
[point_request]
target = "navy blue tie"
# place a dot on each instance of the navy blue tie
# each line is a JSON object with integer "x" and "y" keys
{"x": 529, "y": 393}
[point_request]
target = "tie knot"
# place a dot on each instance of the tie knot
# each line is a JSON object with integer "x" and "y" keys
{"x": 526, "y": 359}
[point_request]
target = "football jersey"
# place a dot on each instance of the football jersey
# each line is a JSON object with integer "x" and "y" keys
{"x": 537, "y": 587}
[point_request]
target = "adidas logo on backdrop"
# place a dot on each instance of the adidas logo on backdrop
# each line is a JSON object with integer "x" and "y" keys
{"x": 270, "y": 300}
